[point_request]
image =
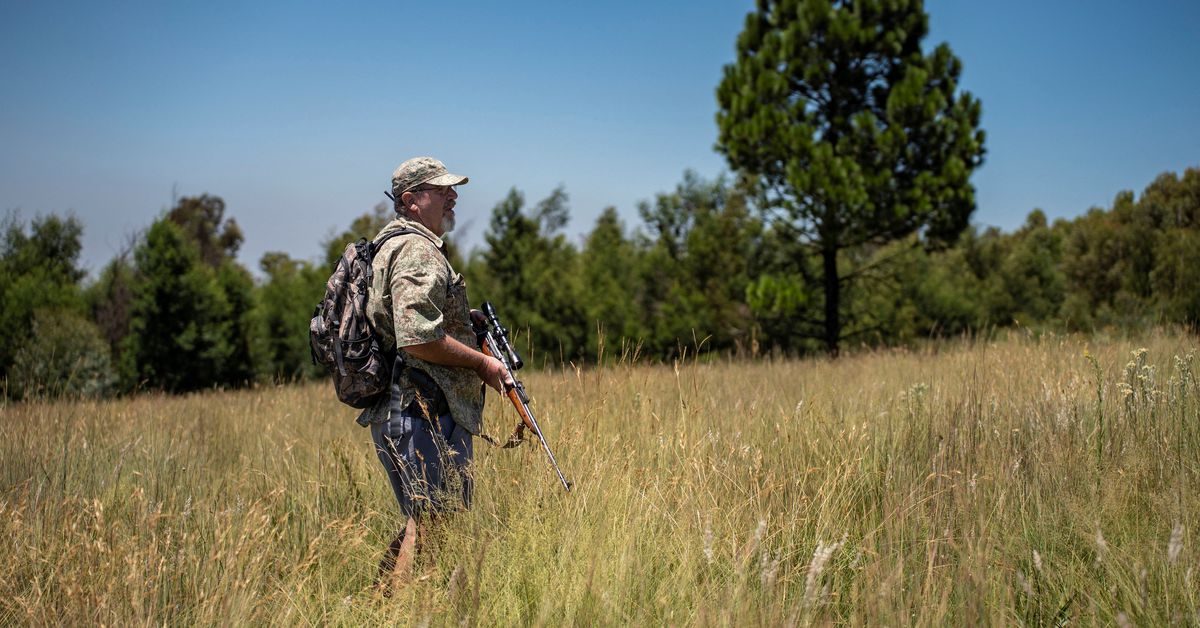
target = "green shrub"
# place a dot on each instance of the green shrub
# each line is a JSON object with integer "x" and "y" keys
{"x": 63, "y": 355}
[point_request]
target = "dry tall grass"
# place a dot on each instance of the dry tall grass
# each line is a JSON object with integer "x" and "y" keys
{"x": 1027, "y": 480}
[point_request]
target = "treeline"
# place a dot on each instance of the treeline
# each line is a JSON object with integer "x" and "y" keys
{"x": 702, "y": 272}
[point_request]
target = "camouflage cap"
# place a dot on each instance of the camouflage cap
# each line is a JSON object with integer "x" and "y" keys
{"x": 419, "y": 170}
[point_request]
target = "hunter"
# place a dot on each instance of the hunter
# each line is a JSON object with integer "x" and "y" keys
{"x": 418, "y": 305}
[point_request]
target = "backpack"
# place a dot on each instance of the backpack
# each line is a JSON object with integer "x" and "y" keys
{"x": 340, "y": 335}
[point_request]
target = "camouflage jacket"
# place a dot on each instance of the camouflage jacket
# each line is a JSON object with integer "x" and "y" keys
{"x": 417, "y": 297}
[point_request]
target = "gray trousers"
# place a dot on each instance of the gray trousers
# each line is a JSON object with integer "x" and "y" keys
{"x": 426, "y": 458}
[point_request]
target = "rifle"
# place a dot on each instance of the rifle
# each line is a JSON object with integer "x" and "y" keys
{"x": 493, "y": 339}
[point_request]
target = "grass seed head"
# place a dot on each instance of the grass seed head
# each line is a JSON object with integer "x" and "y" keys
{"x": 1175, "y": 545}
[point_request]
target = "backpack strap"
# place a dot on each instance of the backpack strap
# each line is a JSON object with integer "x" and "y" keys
{"x": 378, "y": 244}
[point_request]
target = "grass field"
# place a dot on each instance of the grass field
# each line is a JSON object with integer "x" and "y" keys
{"x": 1026, "y": 480}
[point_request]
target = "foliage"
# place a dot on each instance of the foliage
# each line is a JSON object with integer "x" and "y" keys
{"x": 181, "y": 324}
{"x": 1176, "y": 276}
{"x": 783, "y": 296}
{"x": 245, "y": 354}
{"x": 700, "y": 272}
{"x": 1131, "y": 265}
{"x": 696, "y": 268}
{"x": 530, "y": 271}
{"x": 184, "y": 315}
{"x": 286, "y": 301}
{"x": 1099, "y": 267}
{"x": 945, "y": 294}
{"x": 110, "y": 300}
{"x": 202, "y": 218}
{"x": 63, "y": 355}
{"x": 38, "y": 270}
{"x": 852, "y": 133}
{"x": 1030, "y": 279}
{"x": 678, "y": 284}
{"x": 608, "y": 286}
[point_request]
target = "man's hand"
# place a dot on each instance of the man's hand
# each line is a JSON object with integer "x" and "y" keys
{"x": 493, "y": 373}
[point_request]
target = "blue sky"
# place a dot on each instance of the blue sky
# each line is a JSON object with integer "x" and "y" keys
{"x": 296, "y": 113}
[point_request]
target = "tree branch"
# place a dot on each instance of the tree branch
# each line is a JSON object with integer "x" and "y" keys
{"x": 876, "y": 264}
{"x": 859, "y": 332}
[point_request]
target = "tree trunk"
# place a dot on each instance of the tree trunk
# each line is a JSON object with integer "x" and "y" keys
{"x": 833, "y": 323}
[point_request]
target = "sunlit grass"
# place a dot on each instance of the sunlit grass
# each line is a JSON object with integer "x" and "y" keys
{"x": 1025, "y": 480}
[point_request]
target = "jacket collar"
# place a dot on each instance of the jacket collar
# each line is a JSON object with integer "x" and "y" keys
{"x": 403, "y": 222}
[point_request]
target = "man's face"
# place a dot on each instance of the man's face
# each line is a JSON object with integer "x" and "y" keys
{"x": 435, "y": 207}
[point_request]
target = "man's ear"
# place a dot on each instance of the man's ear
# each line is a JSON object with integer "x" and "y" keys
{"x": 406, "y": 199}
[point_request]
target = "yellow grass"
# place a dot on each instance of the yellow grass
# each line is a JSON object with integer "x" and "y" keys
{"x": 1027, "y": 480}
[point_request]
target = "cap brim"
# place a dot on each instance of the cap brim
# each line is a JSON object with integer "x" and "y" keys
{"x": 447, "y": 179}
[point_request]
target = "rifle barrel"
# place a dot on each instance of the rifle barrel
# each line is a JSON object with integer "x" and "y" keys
{"x": 527, "y": 416}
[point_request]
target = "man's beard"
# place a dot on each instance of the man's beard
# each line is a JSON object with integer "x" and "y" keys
{"x": 447, "y": 222}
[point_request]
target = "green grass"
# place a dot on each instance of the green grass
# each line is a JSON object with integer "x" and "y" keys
{"x": 1027, "y": 480}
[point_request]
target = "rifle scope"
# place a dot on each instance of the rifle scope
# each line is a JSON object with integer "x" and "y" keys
{"x": 514, "y": 360}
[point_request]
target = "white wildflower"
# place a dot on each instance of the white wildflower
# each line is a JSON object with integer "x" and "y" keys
{"x": 768, "y": 569}
{"x": 1025, "y": 585}
{"x": 708, "y": 540}
{"x": 1175, "y": 546}
{"x": 1143, "y": 586}
{"x": 458, "y": 582}
{"x": 753, "y": 544}
{"x": 1101, "y": 546}
{"x": 1037, "y": 561}
{"x": 812, "y": 591}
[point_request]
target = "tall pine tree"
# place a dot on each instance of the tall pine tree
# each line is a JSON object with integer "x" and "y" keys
{"x": 180, "y": 328}
{"x": 854, "y": 135}
{"x": 530, "y": 271}
{"x": 609, "y": 286}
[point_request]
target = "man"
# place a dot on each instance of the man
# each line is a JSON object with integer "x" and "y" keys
{"x": 418, "y": 304}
